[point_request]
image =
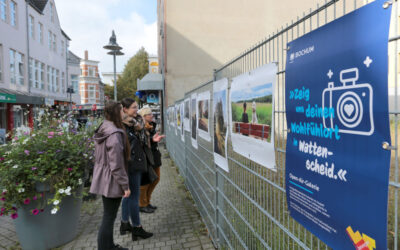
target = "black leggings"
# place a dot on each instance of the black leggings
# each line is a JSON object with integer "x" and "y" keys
{"x": 105, "y": 239}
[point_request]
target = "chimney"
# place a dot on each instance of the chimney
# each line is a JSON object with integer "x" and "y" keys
{"x": 86, "y": 55}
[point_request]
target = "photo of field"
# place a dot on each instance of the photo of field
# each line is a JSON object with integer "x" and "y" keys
{"x": 252, "y": 111}
{"x": 187, "y": 102}
{"x": 194, "y": 118}
{"x": 203, "y": 114}
{"x": 220, "y": 122}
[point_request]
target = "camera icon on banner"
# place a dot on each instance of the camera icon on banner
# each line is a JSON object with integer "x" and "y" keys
{"x": 353, "y": 105}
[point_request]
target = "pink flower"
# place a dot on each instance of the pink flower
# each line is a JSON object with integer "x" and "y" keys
{"x": 26, "y": 152}
{"x": 33, "y": 169}
{"x": 41, "y": 195}
{"x": 26, "y": 133}
{"x": 14, "y": 216}
{"x": 34, "y": 198}
{"x": 2, "y": 199}
{"x": 4, "y": 193}
{"x": 2, "y": 158}
{"x": 27, "y": 201}
{"x": 1, "y": 214}
{"x": 60, "y": 133}
{"x": 49, "y": 136}
{"x": 62, "y": 142}
{"x": 14, "y": 208}
{"x": 16, "y": 138}
{"x": 41, "y": 210}
{"x": 51, "y": 133}
{"x": 2, "y": 209}
{"x": 35, "y": 211}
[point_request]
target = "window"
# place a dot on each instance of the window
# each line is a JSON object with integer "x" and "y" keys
{"x": 13, "y": 13}
{"x": 1, "y": 63}
{"x": 62, "y": 48}
{"x": 54, "y": 43}
{"x": 50, "y": 36}
{"x": 31, "y": 69}
{"x": 92, "y": 94}
{"x": 20, "y": 64}
{"x": 75, "y": 83}
{"x": 3, "y": 10}
{"x": 48, "y": 78}
{"x": 40, "y": 32}
{"x": 52, "y": 12}
{"x": 57, "y": 73}
{"x": 31, "y": 27}
{"x": 63, "y": 82}
{"x": 53, "y": 80}
{"x": 12, "y": 67}
{"x": 37, "y": 74}
{"x": 91, "y": 71}
{"x": 41, "y": 81}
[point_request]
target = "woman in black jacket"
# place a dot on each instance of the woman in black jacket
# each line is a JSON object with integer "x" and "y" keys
{"x": 134, "y": 126}
{"x": 147, "y": 189}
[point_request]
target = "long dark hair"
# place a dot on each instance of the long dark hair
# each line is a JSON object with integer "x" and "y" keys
{"x": 112, "y": 112}
{"x": 127, "y": 102}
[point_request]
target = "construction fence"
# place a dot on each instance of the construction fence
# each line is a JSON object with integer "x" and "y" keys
{"x": 246, "y": 207}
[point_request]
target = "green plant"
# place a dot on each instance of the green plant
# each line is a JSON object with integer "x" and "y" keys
{"x": 55, "y": 155}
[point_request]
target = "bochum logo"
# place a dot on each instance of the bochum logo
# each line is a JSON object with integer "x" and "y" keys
{"x": 301, "y": 53}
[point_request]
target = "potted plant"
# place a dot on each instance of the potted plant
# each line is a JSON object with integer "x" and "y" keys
{"x": 41, "y": 177}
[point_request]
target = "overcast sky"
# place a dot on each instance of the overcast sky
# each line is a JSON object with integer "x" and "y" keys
{"x": 89, "y": 24}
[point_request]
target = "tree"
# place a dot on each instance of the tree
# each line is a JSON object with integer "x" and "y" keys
{"x": 137, "y": 67}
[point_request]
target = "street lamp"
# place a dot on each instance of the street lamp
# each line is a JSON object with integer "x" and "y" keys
{"x": 115, "y": 50}
{"x": 70, "y": 91}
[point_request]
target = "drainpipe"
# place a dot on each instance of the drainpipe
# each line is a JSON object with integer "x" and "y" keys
{"x": 27, "y": 42}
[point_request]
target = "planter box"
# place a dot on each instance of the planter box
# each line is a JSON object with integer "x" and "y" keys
{"x": 46, "y": 230}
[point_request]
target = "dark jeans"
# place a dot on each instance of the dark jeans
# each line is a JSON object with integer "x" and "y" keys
{"x": 105, "y": 239}
{"x": 130, "y": 205}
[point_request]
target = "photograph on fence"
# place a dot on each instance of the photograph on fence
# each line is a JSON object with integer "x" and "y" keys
{"x": 220, "y": 105}
{"x": 182, "y": 106}
{"x": 203, "y": 121}
{"x": 193, "y": 119}
{"x": 251, "y": 115}
{"x": 176, "y": 111}
{"x": 186, "y": 120}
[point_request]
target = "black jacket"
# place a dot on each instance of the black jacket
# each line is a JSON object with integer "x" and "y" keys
{"x": 154, "y": 147}
{"x": 138, "y": 158}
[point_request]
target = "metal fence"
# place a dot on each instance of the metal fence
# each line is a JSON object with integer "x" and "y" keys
{"x": 246, "y": 208}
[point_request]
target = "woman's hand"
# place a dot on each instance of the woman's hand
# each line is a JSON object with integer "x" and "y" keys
{"x": 157, "y": 137}
{"x": 127, "y": 193}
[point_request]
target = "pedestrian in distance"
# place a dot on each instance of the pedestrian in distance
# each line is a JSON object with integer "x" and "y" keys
{"x": 245, "y": 116}
{"x": 146, "y": 190}
{"x": 134, "y": 126}
{"x": 110, "y": 179}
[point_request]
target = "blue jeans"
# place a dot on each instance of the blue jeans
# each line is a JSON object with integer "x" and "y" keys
{"x": 130, "y": 205}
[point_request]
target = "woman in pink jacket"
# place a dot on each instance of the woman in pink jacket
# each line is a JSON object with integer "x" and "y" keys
{"x": 110, "y": 177}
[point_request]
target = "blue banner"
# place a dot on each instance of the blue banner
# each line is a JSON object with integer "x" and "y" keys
{"x": 337, "y": 117}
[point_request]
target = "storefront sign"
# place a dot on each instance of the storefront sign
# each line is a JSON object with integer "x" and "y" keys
{"x": 8, "y": 98}
{"x": 337, "y": 115}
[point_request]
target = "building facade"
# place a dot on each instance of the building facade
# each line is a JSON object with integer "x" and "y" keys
{"x": 33, "y": 61}
{"x": 74, "y": 72}
{"x": 108, "y": 77}
{"x": 90, "y": 87}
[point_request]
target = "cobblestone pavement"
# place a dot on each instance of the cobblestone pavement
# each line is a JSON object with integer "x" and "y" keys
{"x": 176, "y": 224}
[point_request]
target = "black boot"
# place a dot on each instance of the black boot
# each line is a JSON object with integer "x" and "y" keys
{"x": 152, "y": 207}
{"x": 139, "y": 232}
{"x": 125, "y": 227}
{"x": 146, "y": 210}
{"x": 118, "y": 247}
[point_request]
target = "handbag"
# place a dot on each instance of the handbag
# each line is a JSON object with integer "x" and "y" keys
{"x": 148, "y": 177}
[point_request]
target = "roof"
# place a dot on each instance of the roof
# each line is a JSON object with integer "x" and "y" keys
{"x": 72, "y": 58}
{"x": 151, "y": 81}
{"x": 39, "y": 5}
{"x": 65, "y": 34}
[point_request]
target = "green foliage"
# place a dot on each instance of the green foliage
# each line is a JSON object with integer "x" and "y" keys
{"x": 263, "y": 110}
{"x": 137, "y": 67}
{"x": 55, "y": 156}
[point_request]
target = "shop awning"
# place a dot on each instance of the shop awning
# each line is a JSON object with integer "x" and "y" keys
{"x": 22, "y": 97}
{"x": 151, "y": 81}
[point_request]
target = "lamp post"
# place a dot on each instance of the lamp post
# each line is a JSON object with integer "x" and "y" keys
{"x": 70, "y": 91}
{"x": 115, "y": 50}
